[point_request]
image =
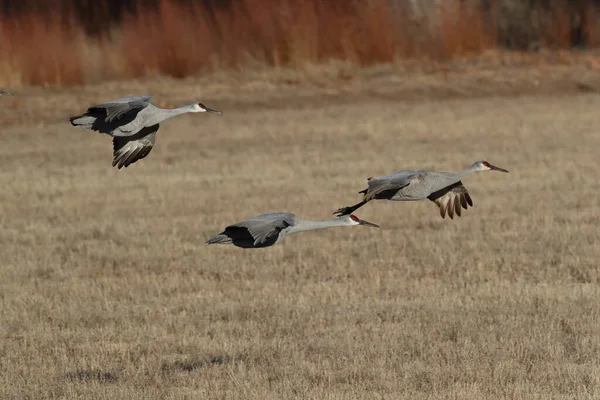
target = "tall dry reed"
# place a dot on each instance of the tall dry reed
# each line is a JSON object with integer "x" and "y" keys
{"x": 179, "y": 40}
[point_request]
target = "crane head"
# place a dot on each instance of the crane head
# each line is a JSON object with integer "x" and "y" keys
{"x": 202, "y": 108}
{"x": 486, "y": 166}
{"x": 357, "y": 221}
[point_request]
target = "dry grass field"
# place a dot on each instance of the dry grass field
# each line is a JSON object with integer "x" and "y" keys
{"x": 108, "y": 291}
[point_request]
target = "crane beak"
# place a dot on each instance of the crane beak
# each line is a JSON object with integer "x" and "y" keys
{"x": 210, "y": 110}
{"x": 494, "y": 168}
{"x": 367, "y": 223}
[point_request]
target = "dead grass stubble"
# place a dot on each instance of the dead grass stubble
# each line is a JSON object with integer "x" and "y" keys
{"x": 107, "y": 290}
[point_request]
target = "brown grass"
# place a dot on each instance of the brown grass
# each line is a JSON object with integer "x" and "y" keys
{"x": 108, "y": 291}
{"x": 185, "y": 39}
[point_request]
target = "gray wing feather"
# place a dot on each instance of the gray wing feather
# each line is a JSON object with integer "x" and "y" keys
{"x": 115, "y": 109}
{"x": 262, "y": 227}
{"x": 129, "y": 149}
{"x": 384, "y": 187}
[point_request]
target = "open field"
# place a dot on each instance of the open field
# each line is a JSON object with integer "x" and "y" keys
{"x": 107, "y": 290}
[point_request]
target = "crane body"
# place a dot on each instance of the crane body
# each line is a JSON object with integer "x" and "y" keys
{"x": 443, "y": 188}
{"x": 133, "y": 123}
{"x": 269, "y": 229}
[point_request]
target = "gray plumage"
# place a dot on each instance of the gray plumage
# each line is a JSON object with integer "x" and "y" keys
{"x": 5, "y": 93}
{"x": 445, "y": 189}
{"x": 133, "y": 123}
{"x": 269, "y": 229}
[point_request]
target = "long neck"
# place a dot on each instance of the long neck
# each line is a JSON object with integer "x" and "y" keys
{"x": 441, "y": 180}
{"x": 163, "y": 114}
{"x": 468, "y": 171}
{"x": 304, "y": 225}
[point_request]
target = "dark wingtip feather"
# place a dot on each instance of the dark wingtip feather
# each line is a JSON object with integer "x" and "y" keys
{"x": 118, "y": 161}
{"x": 457, "y": 205}
{"x": 133, "y": 156}
{"x": 469, "y": 201}
{"x": 450, "y": 209}
{"x": 463, "y": 201}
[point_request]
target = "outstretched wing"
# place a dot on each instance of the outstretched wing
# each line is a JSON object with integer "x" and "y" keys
{"x": 451, "y": 198}
{"x": 116, "y": 109}
{"x": 129, "y": 149}
{"x": 381, "y": 188}
{"x": 266, "y": 226}
{"x": 385, "y": 187}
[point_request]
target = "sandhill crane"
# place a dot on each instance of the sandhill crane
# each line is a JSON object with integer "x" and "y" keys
{"x": 133, "y": 123}
{"x": 5, "y": 93}
{"x": 268, "y": 229}
{"x": 443, "y": 188}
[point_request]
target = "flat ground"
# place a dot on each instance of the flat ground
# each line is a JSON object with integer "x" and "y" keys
{"x": 108, "y": 291}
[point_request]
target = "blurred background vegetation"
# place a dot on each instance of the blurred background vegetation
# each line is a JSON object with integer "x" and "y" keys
{"x": 66, "y": 42}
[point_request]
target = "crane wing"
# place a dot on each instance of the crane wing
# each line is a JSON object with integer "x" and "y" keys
{"x": 451, "y": 198}
{"x": 381, "y": 187}
{"x": 129, "y": 149}
{"x": 263, "y": 227}
{"x": 385, "y": 187}
{"x": 116, "y": 109}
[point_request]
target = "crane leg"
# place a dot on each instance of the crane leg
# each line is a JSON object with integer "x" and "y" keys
{"x": 350, "y": 209}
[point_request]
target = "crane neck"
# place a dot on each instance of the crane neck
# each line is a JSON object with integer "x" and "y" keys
{"x": 444, "y": 179}
{"x": 167, "y": 113}
{"x": 473, "y": 168}
{"x": 306, "y": 225}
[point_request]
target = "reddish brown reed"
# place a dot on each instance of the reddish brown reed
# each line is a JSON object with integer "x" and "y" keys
{"x": 168, "y": 41}
{"x": 589, "y": 23}
{"x": 554, "y": 27}
{"x": 458, "y": 29}
{"x": 182, "y": 39}
{"x": 43, "y": 49}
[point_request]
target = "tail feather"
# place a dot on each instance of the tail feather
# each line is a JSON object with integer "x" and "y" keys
{"x": 367, "y": 189}
{"x": 84, "y": 121}
{"x": 220, "y": 239}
